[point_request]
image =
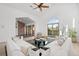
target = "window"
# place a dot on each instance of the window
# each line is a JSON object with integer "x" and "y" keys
{"x": 53, "y": 27}
{"x": 25, "y": 27}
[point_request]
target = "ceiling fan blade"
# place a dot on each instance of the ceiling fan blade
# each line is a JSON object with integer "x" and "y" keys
{"x": 41, "y": 4}
{"x": 45, "y": 6}
{"x": 35, "y": 4}
{"x": 33, "y": 7}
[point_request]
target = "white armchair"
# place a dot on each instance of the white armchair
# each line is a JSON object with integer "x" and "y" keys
{"x": 24, "y": 46}
{"x": 57, "y": 50}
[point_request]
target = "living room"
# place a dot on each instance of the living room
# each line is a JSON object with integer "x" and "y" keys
{"x": 66, "y": 15}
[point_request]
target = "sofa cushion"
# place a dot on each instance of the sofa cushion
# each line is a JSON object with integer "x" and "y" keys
{"x": 12, "y": 48}
{"x": 24, "y": 50}
{"x": 23, "y": 43}
{"x": 17, "y": 53}
{"x": 13, "y": 45}
{"x": 61, "y": 40}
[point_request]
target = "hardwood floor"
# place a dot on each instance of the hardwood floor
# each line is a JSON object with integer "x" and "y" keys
{"x": 2, "y": 49}
{"x": 75, "y": 49}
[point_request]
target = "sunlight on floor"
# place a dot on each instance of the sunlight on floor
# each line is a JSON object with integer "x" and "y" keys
{"x": 75, "y": 49}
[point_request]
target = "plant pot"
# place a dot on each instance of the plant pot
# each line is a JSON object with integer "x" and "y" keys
{"x": 74, "y": 40}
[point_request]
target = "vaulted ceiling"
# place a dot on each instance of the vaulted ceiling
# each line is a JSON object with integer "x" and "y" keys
{"x": 55, "y": 9}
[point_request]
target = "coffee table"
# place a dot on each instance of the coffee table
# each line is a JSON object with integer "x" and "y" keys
{"x": 39, "y": 43}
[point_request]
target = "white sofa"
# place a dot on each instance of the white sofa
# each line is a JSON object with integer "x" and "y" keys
{"x": 18, "y": 47}
{"x": 23, "y": 45}
{"x": 13, "y": 49}
{"x": 57, "y": 50}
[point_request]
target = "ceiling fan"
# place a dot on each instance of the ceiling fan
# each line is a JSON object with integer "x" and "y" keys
{"x": 40, "y": 6}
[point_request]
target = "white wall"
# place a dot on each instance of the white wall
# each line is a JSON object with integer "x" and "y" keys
{"x": 7, "y": 22}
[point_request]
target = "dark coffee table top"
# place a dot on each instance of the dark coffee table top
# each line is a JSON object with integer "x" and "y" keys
{"x": 33, "y": 41}
{"x": 44, "y": 48}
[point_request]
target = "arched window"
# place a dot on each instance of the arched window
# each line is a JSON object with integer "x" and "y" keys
{"x": 53, "y": 27}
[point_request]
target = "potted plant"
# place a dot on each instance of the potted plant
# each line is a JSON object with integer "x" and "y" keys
{"x": 73, "y": 35}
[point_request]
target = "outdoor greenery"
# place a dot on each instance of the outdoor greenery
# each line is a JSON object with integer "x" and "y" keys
{"x": 73, "y": 34}
{"x": 53, "y": 32}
